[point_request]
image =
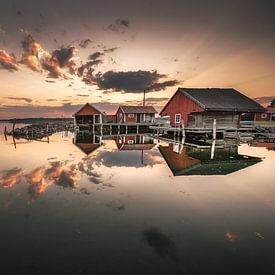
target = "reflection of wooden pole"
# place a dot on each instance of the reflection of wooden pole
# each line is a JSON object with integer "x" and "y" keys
{"x": 13, "y": 126}
{"x": 143, "y": 97}
{"x": 14, "y": 142}
{"x": 5, "y": 133}
{"x": 142, "y": 160}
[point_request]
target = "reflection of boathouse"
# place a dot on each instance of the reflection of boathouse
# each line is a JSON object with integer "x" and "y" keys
{"x": 134, "y": 142}
{"x": 194, "y": 161}
{"x": 88, "y": 115}
{"x": 87, "y": 142}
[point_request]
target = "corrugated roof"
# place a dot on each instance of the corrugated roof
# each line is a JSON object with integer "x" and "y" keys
{"x": 222, "y": 99}
{"x": 138, "y": 109}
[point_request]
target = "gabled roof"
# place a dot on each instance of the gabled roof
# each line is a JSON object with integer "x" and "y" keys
{"x": 138, "y": 109}
{"x": 87, "y": 105}
{"x": 220, "y": 99}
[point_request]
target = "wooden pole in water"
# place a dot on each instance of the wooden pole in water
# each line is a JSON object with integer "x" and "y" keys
{"x": 214, "y": 139}
{"x": 214, "y": 128}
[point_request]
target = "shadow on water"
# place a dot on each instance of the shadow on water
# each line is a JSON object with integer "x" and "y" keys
{"x": 161, "y": 243}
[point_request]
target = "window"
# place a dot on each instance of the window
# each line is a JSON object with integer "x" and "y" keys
{"x": 263, "y": 115}
{"x": 131, "y": 115}
{"x": 130, "y": 141}
{"x": 177, "y": 118}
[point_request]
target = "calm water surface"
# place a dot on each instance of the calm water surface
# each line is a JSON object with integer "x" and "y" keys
{"x": 73, "y": 207}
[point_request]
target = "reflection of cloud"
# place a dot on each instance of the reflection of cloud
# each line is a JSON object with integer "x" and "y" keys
{"x": 54, "y": 173}
{"x": 116, "y": 205}
{"x": 21, "y": 98}
{"x": 9, "y": 178}
{"x": 8, "y": 61}
{"x": 128, "y": 158}
{"x": 84, "y": 43}
{"x": 161, "y": 244}
{"x": 231, "y": 237}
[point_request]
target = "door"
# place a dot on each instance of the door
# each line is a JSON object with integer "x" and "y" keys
{"x": 138, "y": 118}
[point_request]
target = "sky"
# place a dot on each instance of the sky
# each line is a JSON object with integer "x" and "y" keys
{"x": 57, "y": 55}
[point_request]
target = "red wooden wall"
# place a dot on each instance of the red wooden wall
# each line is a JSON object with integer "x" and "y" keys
{"x": 258, "y": 117}
{"x": 180, "y": 104}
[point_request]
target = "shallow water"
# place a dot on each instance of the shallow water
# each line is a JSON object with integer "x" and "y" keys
{"x": 73, "y": 207}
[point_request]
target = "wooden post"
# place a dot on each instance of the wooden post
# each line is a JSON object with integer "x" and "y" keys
{"x": 101, "y": 129}
{"x": 118, "y": 130}
{"x": 137, "y": 128}
{"x": 13, "y": 126}
{"x": 126, "y": 130}
{"x": 214, "y": 129}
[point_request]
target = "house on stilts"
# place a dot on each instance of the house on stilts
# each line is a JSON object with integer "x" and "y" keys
{"x": 198, "y": 107}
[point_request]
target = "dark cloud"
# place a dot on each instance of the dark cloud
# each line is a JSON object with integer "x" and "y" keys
{"x": 84, "y": 43}
{"x": 119, "y": 25}
{"x": 87, "y": 69}
{"x": 131, "y": 81}
{"x": 21, "y": 98}
{"x": 161, "y": 244}
{"x": 8, "y": 61}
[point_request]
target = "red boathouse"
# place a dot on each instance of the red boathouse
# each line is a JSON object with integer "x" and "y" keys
{"x": 198, "y": 107}
{"x": 135, "y": 114}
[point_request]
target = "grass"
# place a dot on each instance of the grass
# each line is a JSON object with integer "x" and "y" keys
{"x": 265, "y": 123}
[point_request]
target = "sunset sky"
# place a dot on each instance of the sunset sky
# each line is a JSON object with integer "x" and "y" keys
{"x": 57, "y": 55}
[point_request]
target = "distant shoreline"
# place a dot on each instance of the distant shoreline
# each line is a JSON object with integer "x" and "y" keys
{"x": 35, "y": 120}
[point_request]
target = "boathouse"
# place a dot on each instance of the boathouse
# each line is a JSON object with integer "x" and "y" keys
{"x": 135, "y": 114}
{"x": 268, "y": 115}
{"x": 88, "y": 115}
{"x": 198, "y": 107}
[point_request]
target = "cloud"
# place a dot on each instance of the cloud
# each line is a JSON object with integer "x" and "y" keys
{"x": 21, "y": 98}
{"x": 84, "y": 43}
{"x": 130, "y": 81}
{"x": 39, "y": 60}
{"x": 8, "y": 61}
{"x": 119, "y": 25}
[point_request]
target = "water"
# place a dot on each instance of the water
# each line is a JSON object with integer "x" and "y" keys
{"x": 72, "y": 207}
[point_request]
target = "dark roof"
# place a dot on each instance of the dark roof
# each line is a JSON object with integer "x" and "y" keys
{"x": 222, "y": 99}
{"x": 138, "y": 109}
